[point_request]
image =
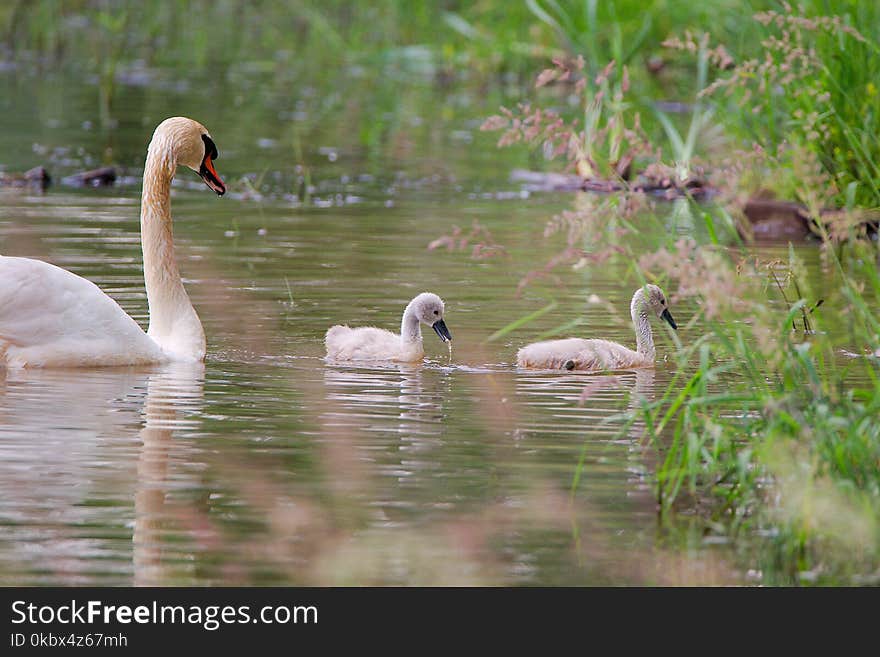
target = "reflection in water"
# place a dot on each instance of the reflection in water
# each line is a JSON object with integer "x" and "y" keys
{"x": 640, "y": 460}
{"x": 497, "y": 493}
{"x": 587, "y": 401}
{"x": 614, "y": 474}
{"x": 71, "y": 444}
{"x": 174, "y": 397}
{"x": 432, "y": 476}
{"x": 66, "y": 447}
{"x": 591, "y": 398}
{"x": 580, "y": 408}
{"x": 398, "y": 417}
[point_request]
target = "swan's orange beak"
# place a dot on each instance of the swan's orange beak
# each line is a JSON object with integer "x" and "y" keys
{"x": 211, "y": 177}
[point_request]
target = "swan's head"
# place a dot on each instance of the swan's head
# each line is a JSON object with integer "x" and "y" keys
{"x": 651, "y": 297}
{"x": 428, "y": 308}
{"x": 187, "y": 142}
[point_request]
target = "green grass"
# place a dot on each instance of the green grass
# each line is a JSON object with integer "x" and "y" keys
{"x": 825, "y": 103}
{"x": 780, "y": 435}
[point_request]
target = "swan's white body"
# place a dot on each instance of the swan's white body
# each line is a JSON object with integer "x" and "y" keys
{"x": 370, "y": 343}
{"x": 50, "y": 317}
{"x": 580, "y": 354}
{"x": 61, "y": 319}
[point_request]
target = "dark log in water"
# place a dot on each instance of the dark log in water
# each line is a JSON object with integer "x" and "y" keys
{"x": 39, "y": 177}
{"x": 770, "y": 219}
{"x": 538, "y": 181}
{"x": 36, "y": 177}
{"x": 101, "y": 177}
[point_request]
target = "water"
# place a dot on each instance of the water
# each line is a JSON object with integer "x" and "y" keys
{"x": 268, "y": 465}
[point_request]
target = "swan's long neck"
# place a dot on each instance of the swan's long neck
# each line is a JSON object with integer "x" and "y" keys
{"x": 410, "y": 327}
{"x": 174, "y": 324}
{"x": 644, "y": 338}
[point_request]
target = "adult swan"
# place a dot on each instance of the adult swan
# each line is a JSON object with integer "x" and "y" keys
{"x": 50, "y": 317}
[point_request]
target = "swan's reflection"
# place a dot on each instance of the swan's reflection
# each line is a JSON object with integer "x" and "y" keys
{"x": 599, "y": 392}
{"x": 640, "y": 454}
{"x": 71, "y": 444}
{"x": 66, "y": 460}
{"x": 583, "y": 401}
{"x": 394, "y": 415}
{"x": 391, "y": 399}
{"x": 173, "y": 400}
{"x": 580, "y": 405}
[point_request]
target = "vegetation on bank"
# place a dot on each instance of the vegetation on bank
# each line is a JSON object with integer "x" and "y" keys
{"x": 794, "y": 79}
{"x": 789, "y": 446}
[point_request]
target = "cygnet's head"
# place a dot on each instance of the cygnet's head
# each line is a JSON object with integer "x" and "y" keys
{"x": 189, "y": 144}
{"x": 428, "y": 308}
{"x": 653, "y": 299}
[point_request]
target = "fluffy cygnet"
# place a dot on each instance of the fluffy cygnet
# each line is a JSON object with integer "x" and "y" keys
{"x": 580, "y": 354}
{"x": 370, "y": 343}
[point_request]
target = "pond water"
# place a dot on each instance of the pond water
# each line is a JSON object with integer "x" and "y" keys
{"x": 267, "y": 465}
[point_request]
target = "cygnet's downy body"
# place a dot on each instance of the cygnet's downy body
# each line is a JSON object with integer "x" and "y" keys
{"x": 597, "y": 355}
{"x": 368, "y": 343}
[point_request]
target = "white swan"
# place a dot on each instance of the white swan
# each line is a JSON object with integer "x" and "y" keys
{"x": 369, "y": 343}
{"x": 50, "y": 317}
{"x": 578, "y": 354}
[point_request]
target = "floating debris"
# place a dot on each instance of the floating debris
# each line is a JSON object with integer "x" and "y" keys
{"x": 770, "y": 219}
{"x": 36, "y": 177}
{"x": 101, "y": 177}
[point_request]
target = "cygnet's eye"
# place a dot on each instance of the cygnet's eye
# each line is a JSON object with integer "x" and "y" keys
{"x": 436, "y": 312}
{"x": 662, "y": 301}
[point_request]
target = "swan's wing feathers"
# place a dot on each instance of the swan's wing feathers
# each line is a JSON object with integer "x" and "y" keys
{"x": 39, "y": 301}
{"x": 48, "y": 313}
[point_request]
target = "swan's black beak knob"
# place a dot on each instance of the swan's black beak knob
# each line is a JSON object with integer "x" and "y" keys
{"x": 207, "y": 171}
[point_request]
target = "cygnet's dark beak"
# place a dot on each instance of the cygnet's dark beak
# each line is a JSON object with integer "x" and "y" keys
{"x": 668, "y": 317}
{"x": 440, "y": 329}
